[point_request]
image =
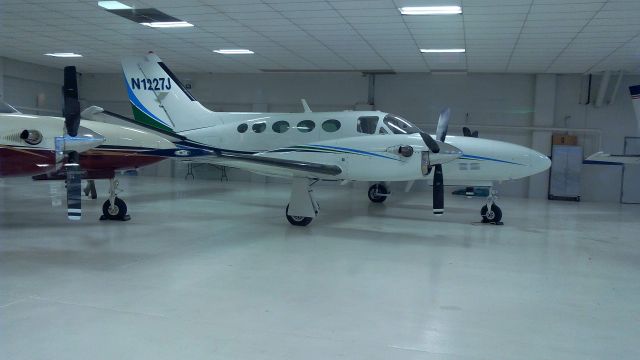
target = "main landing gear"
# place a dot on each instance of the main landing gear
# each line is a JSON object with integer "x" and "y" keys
{"x": 491, "y": 213}
{"x": 114, "y": 208}
{"x": 378, "y": 193}
{"x": 302, "y": 207}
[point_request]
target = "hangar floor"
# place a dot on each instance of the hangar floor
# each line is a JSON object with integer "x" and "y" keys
{"x": 213, "y": 270}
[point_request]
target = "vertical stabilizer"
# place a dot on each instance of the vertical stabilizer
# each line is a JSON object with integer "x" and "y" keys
{"x": 158, "y": 98}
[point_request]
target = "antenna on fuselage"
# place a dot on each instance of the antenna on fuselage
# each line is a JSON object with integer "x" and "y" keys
{"x": 306, "y": 107}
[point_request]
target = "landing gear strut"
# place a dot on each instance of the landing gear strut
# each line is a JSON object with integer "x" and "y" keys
{"x": 302, "y": 207}
{"x": 114, "y": 208}
{"x": 491, "y": 213}
{"x": 378, "y": 193}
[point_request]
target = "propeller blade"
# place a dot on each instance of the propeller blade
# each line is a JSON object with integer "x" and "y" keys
{"x": 443, "y": 124}
{"x": 74, "y": 186}
{"x": 438, "y": 190}
{"x": 71, "y": 104}
{"x": 431, "y": 144}
{"x": 466, "y": 131}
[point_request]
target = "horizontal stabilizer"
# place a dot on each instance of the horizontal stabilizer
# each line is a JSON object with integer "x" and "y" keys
{"x": 601, "y": 157}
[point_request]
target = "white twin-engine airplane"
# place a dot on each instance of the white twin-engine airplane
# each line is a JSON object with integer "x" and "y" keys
{"x": 340, "y": 146}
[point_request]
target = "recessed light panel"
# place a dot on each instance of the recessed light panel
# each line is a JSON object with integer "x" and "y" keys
{"x": 113, "y": 5}
{"x": 442, "y": 50}
{"x": 233, "y": 51}
{"x": 167, "y": 24}
{"x": 430, "y": 10}
{"x": 64, "y": 55}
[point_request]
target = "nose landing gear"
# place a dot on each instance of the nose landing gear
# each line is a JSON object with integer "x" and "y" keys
{"x": 491, "y": 213}
{"x": 114, "y": 208}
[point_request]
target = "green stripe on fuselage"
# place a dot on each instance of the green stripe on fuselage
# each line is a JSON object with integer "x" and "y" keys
{"x": 145, "y": 119}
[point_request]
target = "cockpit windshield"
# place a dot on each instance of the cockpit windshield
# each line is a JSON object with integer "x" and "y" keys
{"x": 7, "y": 109}
{"x": 399, "y": 125}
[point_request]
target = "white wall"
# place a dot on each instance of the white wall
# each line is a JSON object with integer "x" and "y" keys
{"x": 31, "y": 88}
{"x": 475, "y": 99}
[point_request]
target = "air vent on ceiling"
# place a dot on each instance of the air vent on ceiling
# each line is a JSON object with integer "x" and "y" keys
{"x": 140, "y": 16}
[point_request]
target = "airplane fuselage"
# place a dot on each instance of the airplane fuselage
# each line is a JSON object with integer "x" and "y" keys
{"x": 123, "y": 149}
{"x": 365, "y": 153}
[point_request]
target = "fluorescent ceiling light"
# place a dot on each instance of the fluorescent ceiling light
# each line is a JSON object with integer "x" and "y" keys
{"x": 167, "y": 24}
{"x": 113, "y": 5}
{"x": 442, "y": 50}
{"x": 65, "y": 55}
{"x": 430, "y": 10}
{"x": 233, "y": 51}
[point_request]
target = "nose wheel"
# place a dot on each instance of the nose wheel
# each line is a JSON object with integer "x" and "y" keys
{"x": 491, "y": 213}
{"x": 114, "y": 208}
{"x": 378, "y": 193}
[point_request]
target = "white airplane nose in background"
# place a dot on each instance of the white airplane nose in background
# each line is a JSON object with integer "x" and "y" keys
{"x": 538, "y": 162}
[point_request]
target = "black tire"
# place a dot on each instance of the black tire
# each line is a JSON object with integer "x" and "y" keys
{"x": 495, "y": 215}
{"x": 377, "y": 189}
{"x": 118, "y": 212}
{"x": 297, "y": 220}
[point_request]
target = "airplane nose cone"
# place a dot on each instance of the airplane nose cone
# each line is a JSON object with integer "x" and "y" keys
{"x": 538, "y": 162}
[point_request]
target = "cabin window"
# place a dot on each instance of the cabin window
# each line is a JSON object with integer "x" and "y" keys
{"x": 242, "y": 128}
{"x": 259, "y": 127}
{"x": 331, "y": 125}
{"x": 399, "y": 125}
{"x": 305, "y": 126}
{"x": 382, "y": 131}
{"x": 280, "y": 126}
{"x": 367, "y": 124}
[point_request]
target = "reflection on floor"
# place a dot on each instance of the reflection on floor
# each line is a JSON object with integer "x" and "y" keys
{"x": 213, "y": 270}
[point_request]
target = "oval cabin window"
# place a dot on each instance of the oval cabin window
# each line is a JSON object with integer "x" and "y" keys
{"x": 306, "y": 126}
{"x": 280, "y": 126}
{"x": 259, "y": 127}
{"x": 242, "y": 128}
{"x": 331, "y": 125}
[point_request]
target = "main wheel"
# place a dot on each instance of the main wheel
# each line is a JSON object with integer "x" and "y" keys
{"x": 297, "y": 220}
{"x": 376, "y": 191}
{"x": 115, "y": 212}
{"x": 493, "y": 215}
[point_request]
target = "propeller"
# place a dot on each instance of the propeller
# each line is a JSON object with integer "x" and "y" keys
{"x": 435, "y": 147}
{"x": 71, "y": 114}
{"x": 438, "y": 178}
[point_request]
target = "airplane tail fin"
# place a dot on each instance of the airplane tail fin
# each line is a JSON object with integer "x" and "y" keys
{"x": 158, "y": 98}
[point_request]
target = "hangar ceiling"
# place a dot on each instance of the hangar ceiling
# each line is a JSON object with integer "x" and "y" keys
{"x": 519, "y": 36}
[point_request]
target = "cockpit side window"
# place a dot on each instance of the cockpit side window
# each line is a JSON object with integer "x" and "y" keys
{"x": 399, "y": 125}
{"x": 382, "y": 131}
{"x": 7, "y": 109}
{"x": 367, "y": 124}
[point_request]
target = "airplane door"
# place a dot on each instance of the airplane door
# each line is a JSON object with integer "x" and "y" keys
{"x": 631, "y": 173}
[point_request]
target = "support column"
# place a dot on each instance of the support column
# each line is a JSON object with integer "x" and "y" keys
{"x": 1, "y": 78}
{"x": 543, "y": 116}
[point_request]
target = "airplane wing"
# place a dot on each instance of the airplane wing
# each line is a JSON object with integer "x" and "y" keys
{"x": 270, "y": 165}
{"x": 601, "y": 157}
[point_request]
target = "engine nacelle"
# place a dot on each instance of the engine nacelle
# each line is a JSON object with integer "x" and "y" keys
{"x": 31, "y": 137}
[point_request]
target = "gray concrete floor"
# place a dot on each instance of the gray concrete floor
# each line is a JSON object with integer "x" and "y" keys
{"x": 209, "y": 270}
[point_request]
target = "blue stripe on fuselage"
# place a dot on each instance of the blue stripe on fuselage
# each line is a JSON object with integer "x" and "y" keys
{"x": 474, "y": 157}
